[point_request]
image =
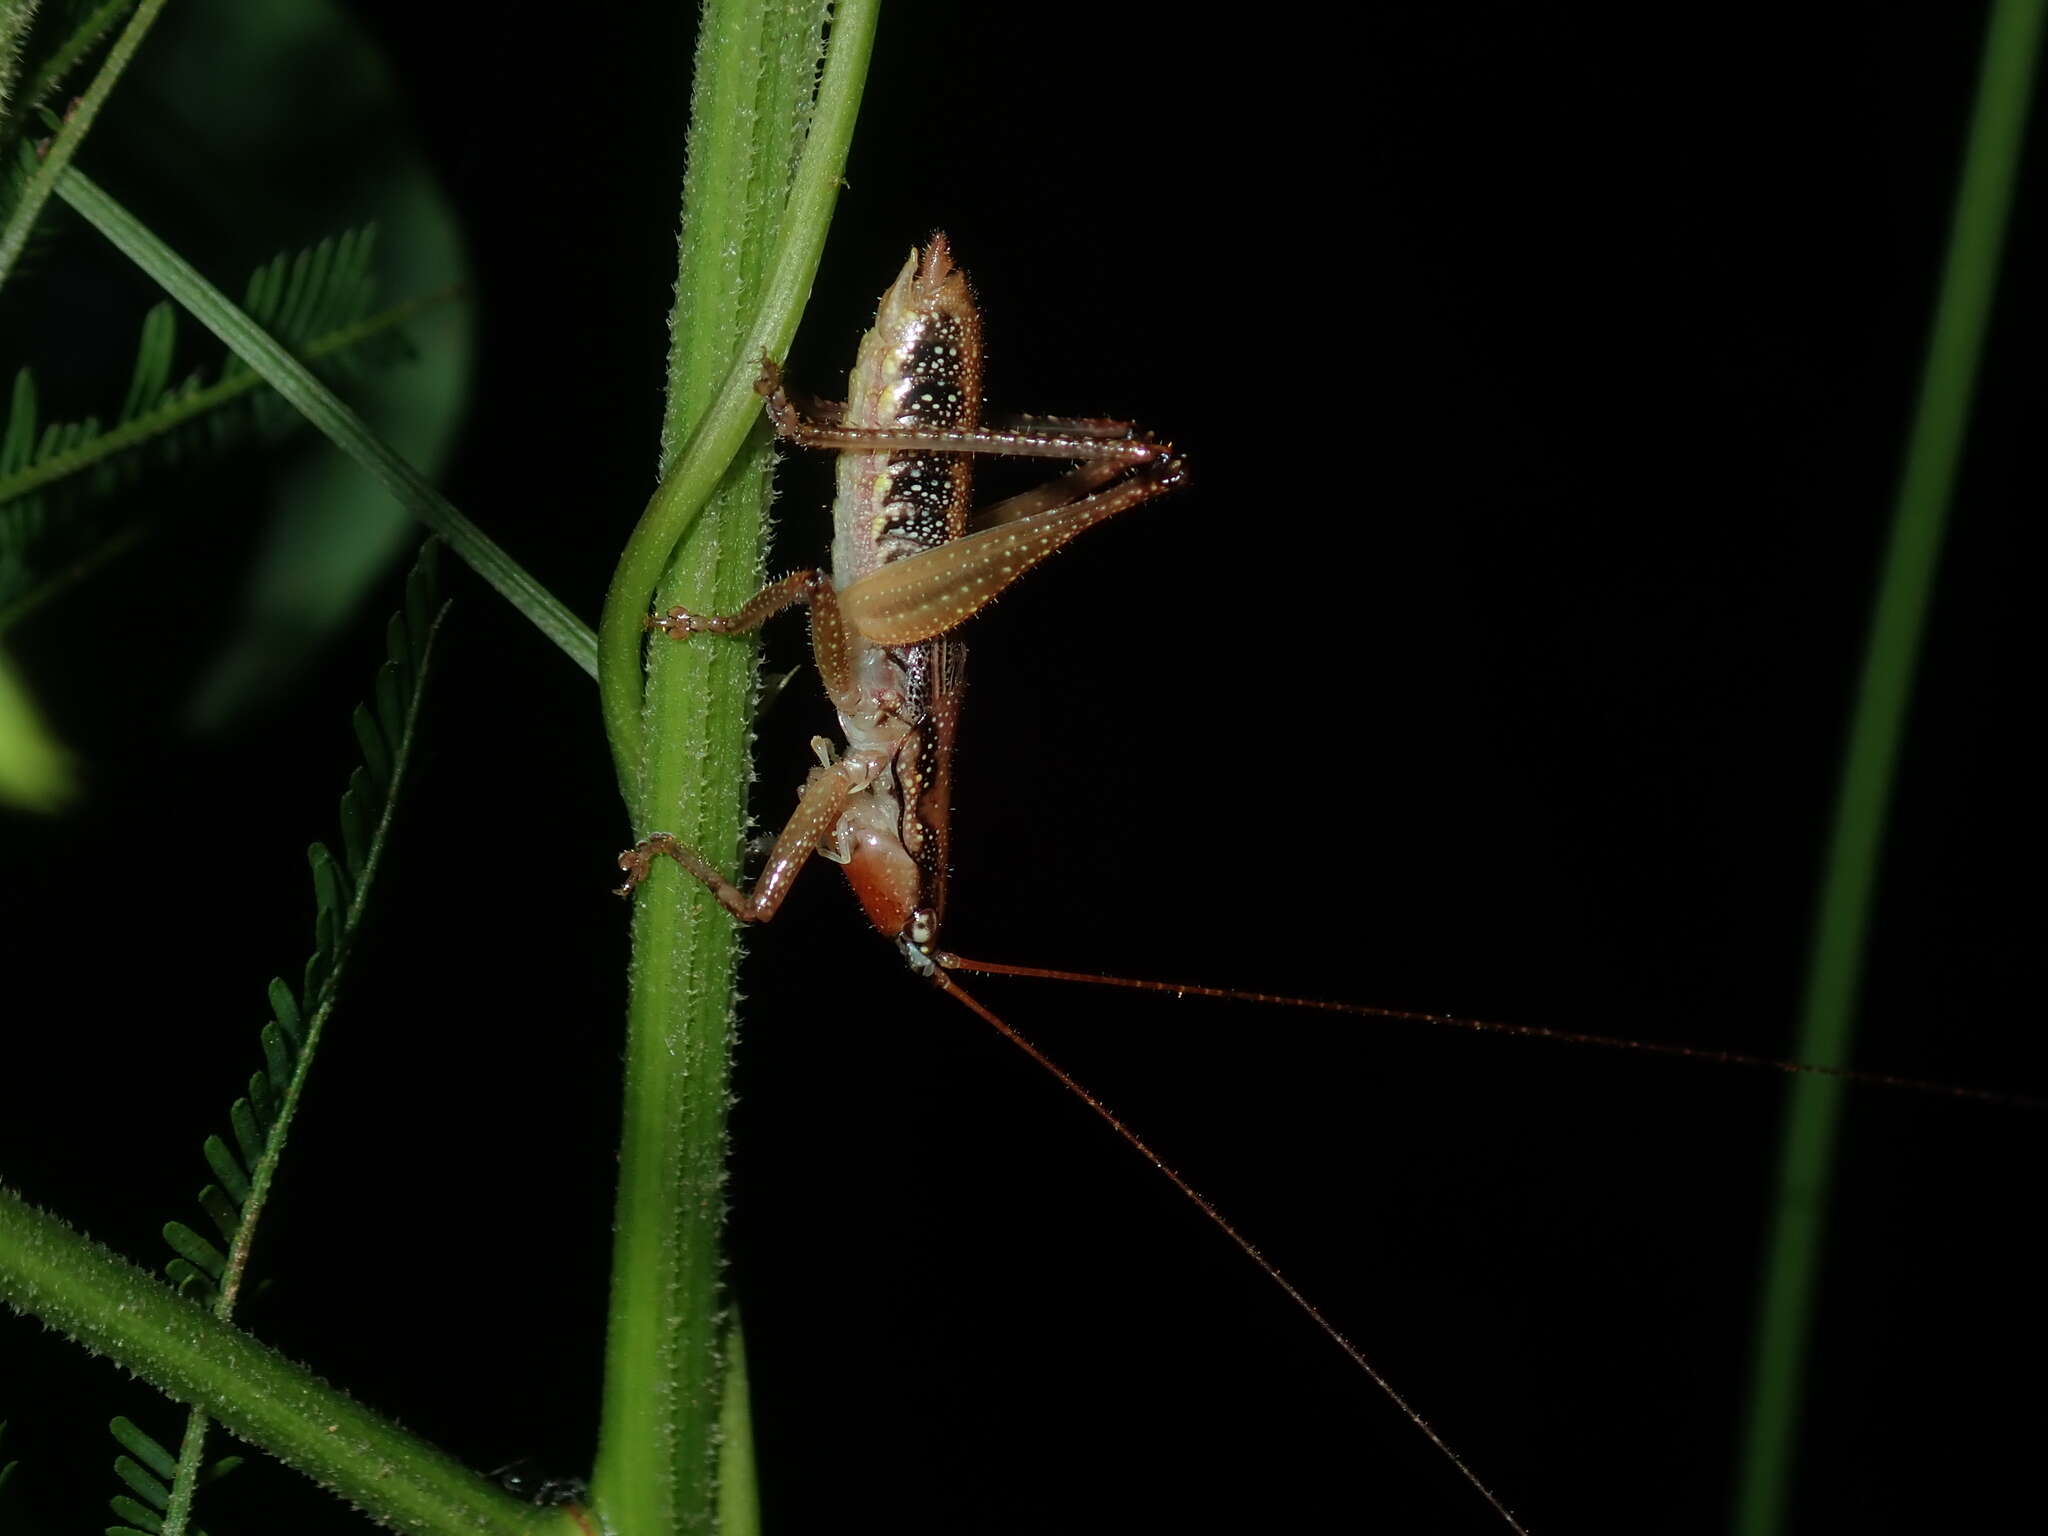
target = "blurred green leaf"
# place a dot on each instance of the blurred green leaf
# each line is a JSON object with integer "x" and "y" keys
{"x": 35, "y": 770}
{"x": 311, "y": 69}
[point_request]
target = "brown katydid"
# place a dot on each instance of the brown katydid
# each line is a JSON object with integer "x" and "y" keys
{"x": 912, "y": 563}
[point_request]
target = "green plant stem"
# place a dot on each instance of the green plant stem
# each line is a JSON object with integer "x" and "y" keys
{"x": 710, "y": 423}
{"x": 15, "y": 19}
{"x": 325, "y": 410}
{"x": 77, "y": 124}
{"x": 756, "y": 199}
{"x": 64, "y": 58}
{"x": 113, "y": 1308}
{"x": 1835, "y": 964}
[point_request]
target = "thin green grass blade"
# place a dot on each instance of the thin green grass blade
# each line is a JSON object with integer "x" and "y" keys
{"x": 1835, "y": 964}
{"x": 321, "y": 406}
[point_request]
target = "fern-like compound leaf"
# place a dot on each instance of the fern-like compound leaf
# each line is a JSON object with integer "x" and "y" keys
{"x": 330, "y": 886}
{"x": 248, "y": 1134}
{"x": 55, "y": 477}
{"x": 390, "y": 703}
{"x": 398, "y": 653}
{"x": 195, "y": 1250}
{"x": 225, "y": 1214}
{"x": 191, "y": 1282}
{"x": 226, "y": 1169}
{"x": 138, "y": 1442}
{"x": 140, "y": 1517}
{"x": 277, "y": 1055}
{"x": 260, "y": 1121}
{"x": 152, "y": 377}
{"x": 148, "y": 1469}
{"x": 150, "y": 1488}
{"x": 285, "y": 1008}
{"x": 355, "y": 825}
{"x": 376, "y": 753}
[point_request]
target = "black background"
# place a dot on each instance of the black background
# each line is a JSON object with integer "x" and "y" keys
{"x": 1545, "y": 380}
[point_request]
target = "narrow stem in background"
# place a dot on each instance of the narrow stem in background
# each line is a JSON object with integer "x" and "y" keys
{"x": 1835, "y": 965}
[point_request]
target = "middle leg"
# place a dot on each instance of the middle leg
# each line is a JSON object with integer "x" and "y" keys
{"x": 824, "y": 797}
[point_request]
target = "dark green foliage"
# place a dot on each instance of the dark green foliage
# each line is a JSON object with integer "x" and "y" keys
{"x": 243, "y": 1162}
{"x": 64, "y": 35}
{"x": 257, "y": 1122}
{"x": 60, "y": 37}
{"x": 56, "y": 476}
{"x": 146, "y": 1470}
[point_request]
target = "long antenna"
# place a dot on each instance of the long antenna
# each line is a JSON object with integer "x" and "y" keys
{"x": 1136, "y": 1143}
{"x": 954, "y": 962}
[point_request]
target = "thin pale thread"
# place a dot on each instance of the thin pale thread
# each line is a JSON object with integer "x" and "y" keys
{"x": 1244, "y": 1244}
{"x": 1502, "y": 1027}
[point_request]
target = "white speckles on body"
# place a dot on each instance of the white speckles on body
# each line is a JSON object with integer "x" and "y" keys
{"x": 920, "y": 366}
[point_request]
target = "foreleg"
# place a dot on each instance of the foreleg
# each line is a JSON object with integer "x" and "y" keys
{"x": 828, "y": 627}
{"x": 1086, "y": 439}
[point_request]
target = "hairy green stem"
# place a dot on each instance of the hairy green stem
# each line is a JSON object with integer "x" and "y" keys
{"x": 85, "y": 37}
{"x": 113, "y": 1308}
{"x": 15, "y": 18}
{"x": 711, "y": 422}
{"x": 77, "y": 124}
{"x": 763, "y": 174}
{"x": 1835, "y": 965}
